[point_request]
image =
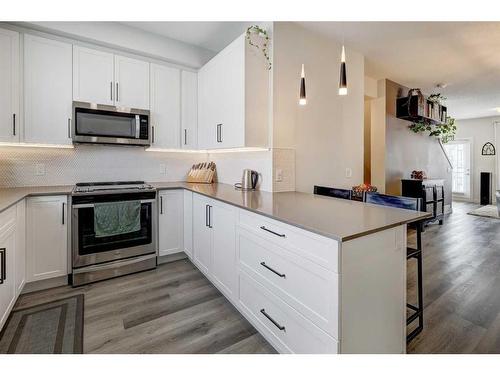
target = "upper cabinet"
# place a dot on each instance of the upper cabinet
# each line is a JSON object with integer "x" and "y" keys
{"x": 233, "y": 98}
{"x": 9, "y": 89}
{"x": 131, "y": 83}
{"x": 93, "y": 76}
{"x": 189, "y": 110}
{"x": 47, "y": 90}
{"x": 105, "y": 78}
{"x": 165, "y": 106}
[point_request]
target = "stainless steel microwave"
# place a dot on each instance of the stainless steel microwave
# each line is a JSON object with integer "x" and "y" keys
{"x": 95, "y": 123}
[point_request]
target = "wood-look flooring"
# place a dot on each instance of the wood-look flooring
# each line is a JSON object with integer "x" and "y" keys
{"x": 461, "y": 267}
{"x": 175, "y": 309}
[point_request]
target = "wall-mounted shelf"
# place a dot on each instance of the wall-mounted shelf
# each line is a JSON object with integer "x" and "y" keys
{"x": 421, "y": 111}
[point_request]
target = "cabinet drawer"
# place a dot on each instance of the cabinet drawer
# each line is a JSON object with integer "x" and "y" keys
{"x": 310, "y": 289}
{"x": 318, "y": 249}
{"x": 429, "y": 194}
{"x": 289, "y": 331}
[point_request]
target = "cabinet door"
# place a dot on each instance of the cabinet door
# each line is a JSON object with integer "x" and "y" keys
{"x": 131, "y": 83}
{"x": 9, "y": 89}
{"x": 47, "y": 90}
{"x": 202, "y": 233}
{"x": 165, "y": 106}
{"x": 92, "y": 76}
{"x": 171, "y": 222}
{"x": 20, "y": 256}
{"x": 208, "y": 96}
{"x": 224, "y": 267}
{"x": 188, "y": 223}
{"x": 7, "y": 288}
{"x": 189, "y": 110}
{"x": 47, "y": 237}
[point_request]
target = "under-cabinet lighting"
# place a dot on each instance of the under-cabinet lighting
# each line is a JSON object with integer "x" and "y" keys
{"x": 34, "y": 145}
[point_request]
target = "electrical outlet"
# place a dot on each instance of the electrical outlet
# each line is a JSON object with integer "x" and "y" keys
{"x": 39, "y": 169}
{"x": 348, "y": 172}
{"x": 279, "y": 175}
{"x": 163, "y": 169}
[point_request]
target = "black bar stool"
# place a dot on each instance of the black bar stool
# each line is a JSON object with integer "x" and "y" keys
{"x": 411, "y": 253}
{"x": 332, "y": 192}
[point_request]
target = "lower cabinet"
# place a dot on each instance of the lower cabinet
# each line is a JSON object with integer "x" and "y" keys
{"x": 188, "y": 223}
{"x": 20, "y": 257}
{"x": 46, "y": 237}
{"x": 7, "y": 260}
{"x": 214, "y": 225}
{"x": 170, "y": 222}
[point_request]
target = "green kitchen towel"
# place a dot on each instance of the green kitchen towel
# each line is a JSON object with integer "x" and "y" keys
{"x": 114, "y": 218}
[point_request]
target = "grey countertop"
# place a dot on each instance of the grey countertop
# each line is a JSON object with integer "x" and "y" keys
{"x": 339, "y": 219}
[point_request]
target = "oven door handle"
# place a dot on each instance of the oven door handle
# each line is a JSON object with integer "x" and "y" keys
{"x": 91, "y": 205}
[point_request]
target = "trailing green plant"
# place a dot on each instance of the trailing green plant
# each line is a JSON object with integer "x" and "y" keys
{"x": 262, "y": 33}
{"x": 436, "y": 98}
{"x": 446, "y": 131}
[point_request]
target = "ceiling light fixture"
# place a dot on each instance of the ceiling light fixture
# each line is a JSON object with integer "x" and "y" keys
{"x": 302, "y": 95}
{"x": 343, "y": 74}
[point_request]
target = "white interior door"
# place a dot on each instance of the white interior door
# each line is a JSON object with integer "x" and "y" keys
{"x": 459, "y": 152}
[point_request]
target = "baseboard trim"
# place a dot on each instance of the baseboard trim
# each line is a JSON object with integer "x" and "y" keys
{"x": 172, "y": 257}
{"x": 35, "y": 286}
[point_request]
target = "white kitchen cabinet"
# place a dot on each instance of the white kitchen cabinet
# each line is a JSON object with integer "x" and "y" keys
{"x": 233, "y": 98}
{"x": 131, "y": 83}
{"x": 93, "y": 76}
{"x": 47, "y": 237}
{"x": 165, "y": 106}
{"x": 202, "y": 233}
{"x": 171, "y": 222}
{"x": 224, "y": 266}
{"x": 47, "y": 90}
{"x": 7, "y": 255}
{"x": 9, "y": 89}
{"x": 189, "y": 110}
{"x": 188, "y": 223}
{"x": 20, "y": 256}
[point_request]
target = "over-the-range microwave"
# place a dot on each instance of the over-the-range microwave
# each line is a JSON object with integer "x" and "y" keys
{"x": 96, "y": 123}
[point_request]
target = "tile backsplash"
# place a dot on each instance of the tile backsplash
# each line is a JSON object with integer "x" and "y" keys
{"x": 30, "y": 166}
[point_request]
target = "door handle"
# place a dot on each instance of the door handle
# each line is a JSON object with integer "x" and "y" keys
{"x": 219, "y": 133}
{"x": 3, "y": 271}
{"x": 13, "y": 124}
{"x": 210, "y": 216}
{"x": 153, "y": 133}
{"x": 185, "y": 136}
{"x": 161, "y": 205}
{"x": 206, "y": 215}
{"x": 279, "y": 326}
{"x": 69, "y": 128}
{"x": 116, "y": 94}
{"x": 111, "y": 90}
{"x": 63, "y": 212}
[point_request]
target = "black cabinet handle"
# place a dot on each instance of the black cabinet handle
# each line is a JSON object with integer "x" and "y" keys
{"x": 206, "y": 215}
{"x": 280, "y": 327}
{"x": 69, "y": 128}
{"x": 111, "y": 90}
{"x": 3, "y": 271}
{"x": 263, "y": 264}
{"x": 210, "y": 216}
{"x": 153, "y": 134}
{"x": 116, "y": 93}
{"x": 270, "y": 231}
{"x": 13, "y": 124}
{"x": 63, "y": 212}
{"x": 219, "y": 133}
{"x": 161, "y": 205}
{"x": 185, "y": 136}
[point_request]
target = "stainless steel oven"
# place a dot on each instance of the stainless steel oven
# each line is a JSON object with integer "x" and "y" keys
{"x": 94, "y": 123}
{"x": 98, "y": 256}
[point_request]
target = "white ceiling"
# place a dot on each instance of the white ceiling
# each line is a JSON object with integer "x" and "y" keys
{"x": 213, "y": 36}
{"x": 463, "y": 55}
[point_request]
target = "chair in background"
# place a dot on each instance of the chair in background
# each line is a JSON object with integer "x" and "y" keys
{"x": 411, "y": 253}
{"x": 332, "y": 192}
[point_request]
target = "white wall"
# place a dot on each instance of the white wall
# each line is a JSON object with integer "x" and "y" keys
{"x": 133, "y": 40}
{"x": 327, "y": 133}
{"x": 480, "y": 130}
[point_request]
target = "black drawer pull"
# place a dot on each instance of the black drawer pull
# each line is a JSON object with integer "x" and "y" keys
{"x": 263, "y": 264}
{"x": 3, "y": 259}
{"x": 280, "y": 327}
{"x": 270, "y": 231}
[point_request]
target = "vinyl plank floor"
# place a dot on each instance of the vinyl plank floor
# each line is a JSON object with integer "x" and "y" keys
{"x": 172, "y": 309}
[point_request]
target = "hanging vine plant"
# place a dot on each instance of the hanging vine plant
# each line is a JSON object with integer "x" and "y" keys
{"x": 263, "y": 46}
{"x": 445, "y": 131}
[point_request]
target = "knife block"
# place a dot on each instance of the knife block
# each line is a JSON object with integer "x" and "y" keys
{"x": 203, "y": 175}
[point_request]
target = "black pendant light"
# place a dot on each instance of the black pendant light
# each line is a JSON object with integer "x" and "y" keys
{"x": 302, "y": 95}
{"x": 343, "y": 74}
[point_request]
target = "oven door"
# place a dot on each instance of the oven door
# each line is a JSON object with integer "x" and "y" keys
{"x": 89, "y": 249}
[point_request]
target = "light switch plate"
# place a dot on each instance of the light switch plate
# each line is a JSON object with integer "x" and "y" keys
{"x": 348, "y": 172}
{"x": 279, "y": 175}
{"x": 39, "y": 169}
